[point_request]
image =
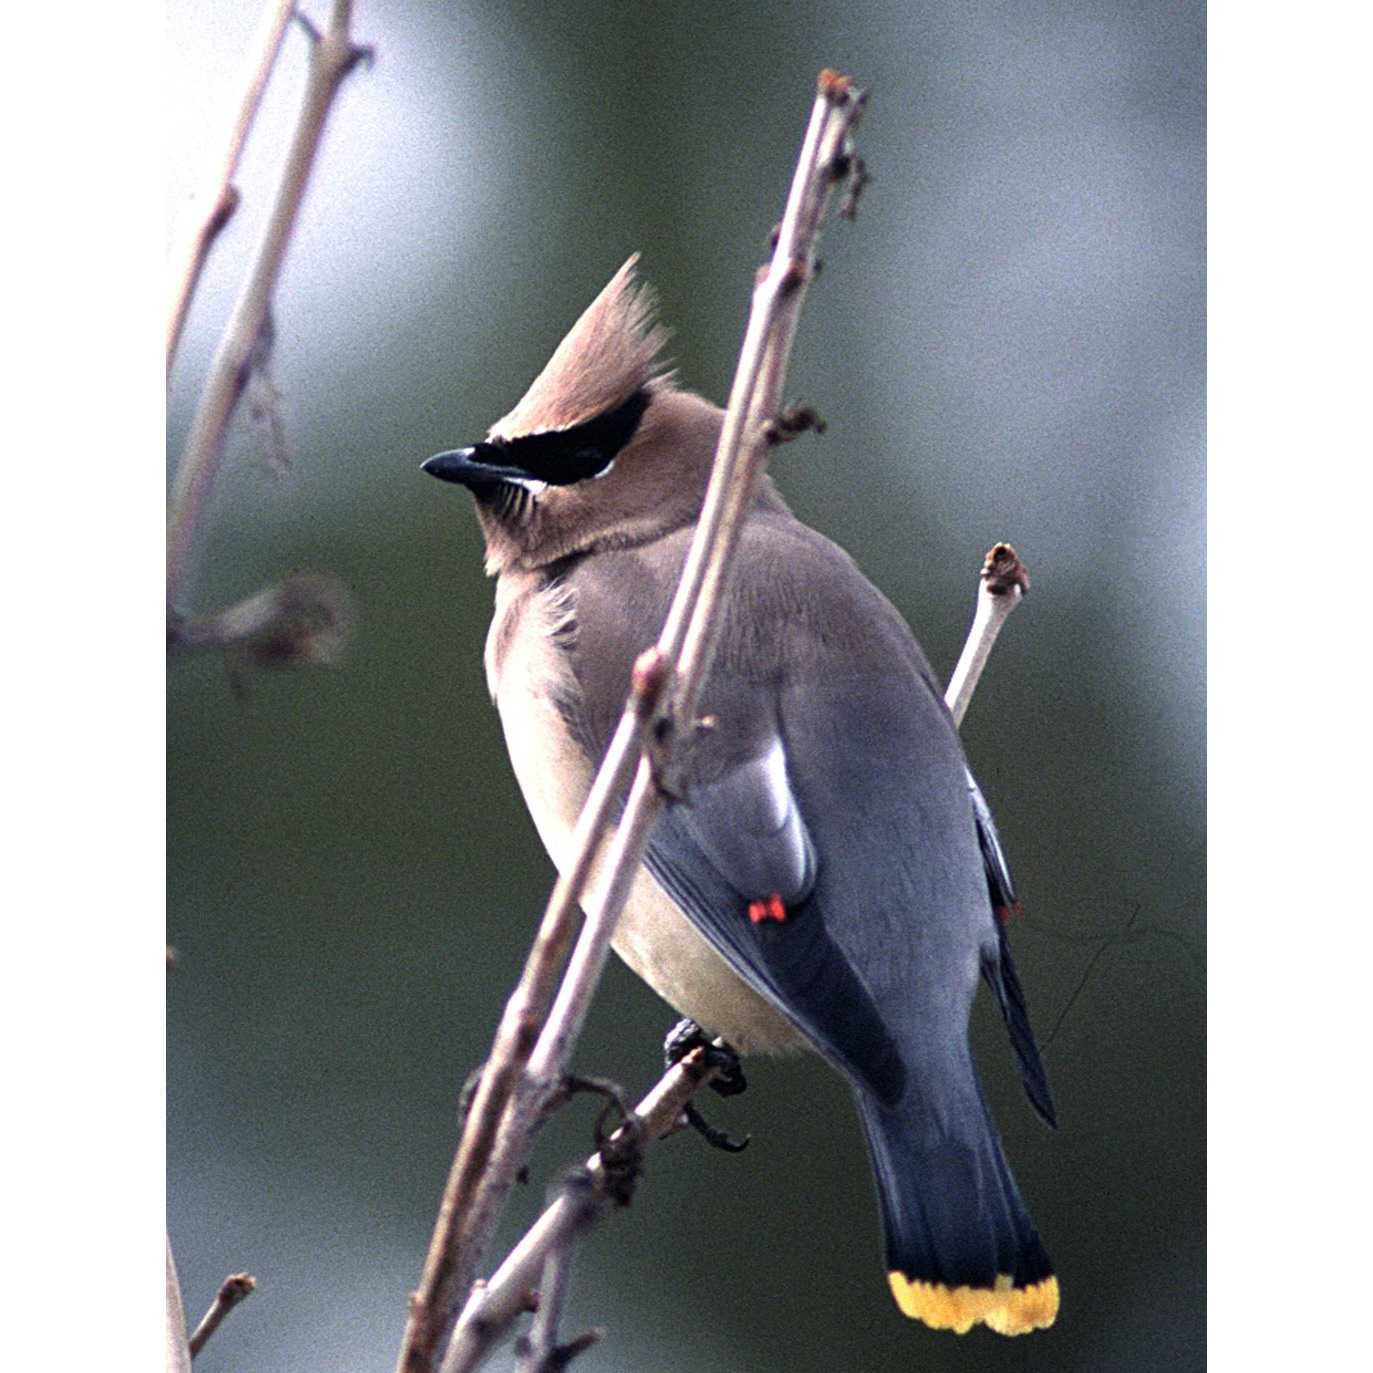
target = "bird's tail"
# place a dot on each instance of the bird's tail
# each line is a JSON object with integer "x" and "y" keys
{"x": 961, "y": 1248}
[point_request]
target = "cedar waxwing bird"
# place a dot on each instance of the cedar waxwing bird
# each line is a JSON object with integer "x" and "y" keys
{"x": 832, "y": 878}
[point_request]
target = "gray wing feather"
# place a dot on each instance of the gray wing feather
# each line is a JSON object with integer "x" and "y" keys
{"x": 749, "y": 825}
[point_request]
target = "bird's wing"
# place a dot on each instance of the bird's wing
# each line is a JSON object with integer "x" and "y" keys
{"x": 1000, "y": 888}
{"x": 998, "y": 968}
{"x": 748, "y": 825}
{"x": 737, "y": 858}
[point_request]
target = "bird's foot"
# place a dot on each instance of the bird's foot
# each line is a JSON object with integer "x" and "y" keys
{"x": 619, "y": 1134}
{"x": 716, "y": 1138}
{"x": 729, "y": 1079}
{"x": 687, "y": 1035}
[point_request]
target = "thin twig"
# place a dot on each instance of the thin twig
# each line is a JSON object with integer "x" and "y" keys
{"x": 305, "y": 619}
{"x": 237, "y": 1287}
{"x": 498, "y": 1303}
{"x": 178, "y": 1355}
{"x": 332, "y": 57}
{"x": 467, "y": 1209}
{"x": 1003, "y": 586}
{"x": 539, "y": 1351}
{"x": 214, "y": 206}
{"x": 692, "y": 629}
{"x": 507, "y": 1105}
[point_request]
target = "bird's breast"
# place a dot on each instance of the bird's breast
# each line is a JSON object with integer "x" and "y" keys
{"x": 528, "y": 672}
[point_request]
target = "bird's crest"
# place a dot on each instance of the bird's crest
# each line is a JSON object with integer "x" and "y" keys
{"x": 611, "y": 352}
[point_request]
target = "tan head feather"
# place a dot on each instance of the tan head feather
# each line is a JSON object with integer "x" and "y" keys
{"x": 609, "y": 353}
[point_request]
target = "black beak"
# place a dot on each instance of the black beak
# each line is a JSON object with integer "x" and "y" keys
{"x": 473, "y": 467}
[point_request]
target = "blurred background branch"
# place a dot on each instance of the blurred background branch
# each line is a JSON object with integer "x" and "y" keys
{"x": 307, "y": 617}
{"x": 212, "y": 208}
{"x": 303, "y": 620}
{"x": 332, "y": 56}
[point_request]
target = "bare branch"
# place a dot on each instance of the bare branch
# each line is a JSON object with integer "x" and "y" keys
{"x": 178, "y": 1355}
{"x": 691, "y": 631}
{"x": 214, "y": 206}
{"x": 667, "y": 683}
{"x": 1004, "y": 584}
{"x": 237, "y": 1287}
{"x": 498, "y": 1303}
{"x": 332, "y": 57}
{"x": 539, "y": 1351}
{"x": 467, "y": 1207}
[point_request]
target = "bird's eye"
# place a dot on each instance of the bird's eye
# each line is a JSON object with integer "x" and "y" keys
{"x": 563, "y": 457}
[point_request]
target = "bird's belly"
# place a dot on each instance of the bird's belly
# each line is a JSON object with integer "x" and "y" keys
{"x": 653, "y": 936}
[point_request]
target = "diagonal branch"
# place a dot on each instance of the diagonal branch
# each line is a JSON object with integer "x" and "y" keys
{"x": 332, "y": 56}
{"x": 497, "y": 1304}
{"x": 1004, "y": 584}
{"x": 213, "y": 208}
{"x": 177, "y": 1358}
{"x": 470, "y": 1205}
{"x": 667, "y": 682}
{"x": 235, "y": 1289}
{"x": 539, "y": 1351}
{"x": 691, "y": 631}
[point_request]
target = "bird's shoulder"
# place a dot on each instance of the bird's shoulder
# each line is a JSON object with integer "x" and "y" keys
{"x": 797, "y": 602}
{"x": 798, "y": 612}
{"x": 801, "y": 604}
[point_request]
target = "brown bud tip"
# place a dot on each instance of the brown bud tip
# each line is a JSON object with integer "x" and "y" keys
{"x": 237, "y": 1286}
{"x": 798, "y": 419}
{"x": 833, "y": 86}
{"x": 1003, "y": 572}
{"x": 649, "y": 676}
{"x": 798, "y": 272}
{"x": 227, "y": 203}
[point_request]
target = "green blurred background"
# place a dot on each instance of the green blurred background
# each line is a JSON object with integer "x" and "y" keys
{"x": 1007, "y": 344}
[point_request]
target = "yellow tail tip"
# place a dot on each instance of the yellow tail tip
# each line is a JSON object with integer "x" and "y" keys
{"x": 1003, "y": 1307}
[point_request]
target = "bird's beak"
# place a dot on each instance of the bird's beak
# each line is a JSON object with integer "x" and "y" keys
{"x": 473, "y": 467}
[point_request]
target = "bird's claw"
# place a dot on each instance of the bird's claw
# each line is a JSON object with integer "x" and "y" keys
{"x": 618, "y": 1131}
{"x": 728, "y": 1080}
{"x": 716, "y": 1138}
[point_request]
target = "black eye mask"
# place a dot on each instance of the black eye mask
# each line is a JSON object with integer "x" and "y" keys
{"x": 564, "y": 456}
